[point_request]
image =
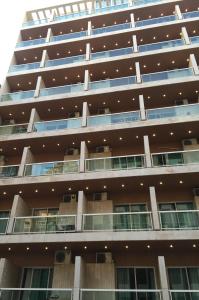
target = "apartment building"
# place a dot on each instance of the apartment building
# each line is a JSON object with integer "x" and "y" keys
{"x": 99, "y": 143}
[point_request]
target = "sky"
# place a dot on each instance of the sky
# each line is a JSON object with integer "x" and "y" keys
{"x": 11, "y": 17}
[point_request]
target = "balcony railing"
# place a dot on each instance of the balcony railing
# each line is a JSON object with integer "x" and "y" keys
{"x": 166, "y": 75}
{"x": 111, "y": 28}
{"x": 65, "y": 60}
{"x": 108, "y": 83}
{"x": 116, "y": 163}
{"x": 3, "y": 225}
{"x": 179, "y": 220}
{"x": 111, "y": 294}
{"x": 47, "y": 224}
{"x": 112, "y": 53}
{"x": 191, "y": 14}
{"x": 184, "y": 294}
{"x": 177, "y": 158}
{"x": 9, "y": 171}
{"x": 153, "y": 21}
{"x": 194, "y": 39}
{"x": 13, "y": 129}
{"x": 52, "y": 168}
{"x": 62, "y": 89}
{"x": 31, "y": 42}
{"x": 57, "y": 124}
{"x": 175, "y": 111}
{"x": 18, "y": 96}
{"x": 129, "y": 221}
{"x": 33, "y": 293}
{"x": 68, "y": 36}
{"x": 117, "y": 118}
{"x": 161, "y": 45}
{"x": 24, "y": 67}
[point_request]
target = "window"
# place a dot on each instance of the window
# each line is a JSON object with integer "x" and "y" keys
{"x": 3, "y": 221}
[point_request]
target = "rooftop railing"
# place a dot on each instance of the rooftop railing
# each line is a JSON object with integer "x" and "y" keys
{"x": 9, "y": 171}
{"x": 166, "y": 75}
{"x": 57, "y": 124}
{"x": 13, "y": 129}
{"x": 18, "y": 95}
{"x": 179, "y": 220}
{"x": 47, "y": 224}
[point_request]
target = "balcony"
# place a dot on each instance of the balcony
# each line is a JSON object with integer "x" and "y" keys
{"x": 35, "y": 293}
{"x": 47, "y": 224}
{"x": 9, "y": 171}
{"x": 136, "y": 221}
{"x": 13, "y": 129}
{"x": 115, "y": 163}
{"x": 57, "y": 124}
{"x": 177, "y": 158}
{"x": 179, "y": 220}
{"x": 52, "y": 168}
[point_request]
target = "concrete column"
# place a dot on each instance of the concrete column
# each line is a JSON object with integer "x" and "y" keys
{"x": 154, "y": 208}
{"x": 78, "y": 277}
{"x": 81, "y": 209}
{"x": 85, "y": 114}
{"x": 88, "y": 51}
{"x": 132, "y": 21}
{"x": 40, "y": 85}
{"x": 9, "y": 274}
{"x": 147, "y": 151}
{"x": 193, "y": 64}
{"x": 138, "y": 74}
{"x": 19, "y": 209}
{"x": 178, "y": 12}
{"x": 135, "y": 45}
{"x": 89, "y": 28}
{"x": 163, "y": 278}
{"x": 142, "y": 108}
{"x": 86, "y": 80}
{"x": 83, "y": 156}
{"x": 196, "y": 201}
{"x": 27, "y": 158}
{"x": 44, "y": 58}
{"x": 49, "y": 35}
{"x": 185, "y": 36}
{"x": 34, "y": 117}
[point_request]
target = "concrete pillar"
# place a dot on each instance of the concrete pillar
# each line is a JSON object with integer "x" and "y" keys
{"x": 27, "y": 158}
{"x": 86, "y": 80}
{"x": 185, "y": 36}
{"x": 178, "y": 12}
{"x": 147, "y": 151}
{"x": 89, "y": 28}
{"x": 34, "y": 117}
{"x": 49, "y": 35}
{"x": 83, "y": 156}
{"x": 138, "y": 74}
{"x": 40, "y": 85}
{"x": 193, "y": 64}
{"x": 78, "y": 277}
{"x": 163, "y": 278}
{"x": 81, "y": 209}
{"x": 154, "y": 208}
{"x": 132, "y": 21}
{"x": 88, "y": 51}
{"x": 9, "y": 274}
{"x": 85, "y": 114}
{"x": 142, "y": 108}
{"x": 19, "y": 209}
{"x": 44, "y": 58}
{"x": 135, "y": 45}
{"x": 196, "y": 201}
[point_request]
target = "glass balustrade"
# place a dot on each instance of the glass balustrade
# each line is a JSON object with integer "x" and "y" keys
{"x": 65, "y": 60}
{"x": 57, "y": 124}
{"x": 13, "y": 129}
{"x": 48, "y": 224}
{"x": 116, "y": 163}
{"x": 111, "y": 28}
{"x": 161, "y": 45}
{"x": 24, "y": 67}
{"x": 117, "y": 221}
{"x": 73, "y": 35}
{"x": 17, "y": 96}
{"x": 31, "y": 42}
{"x": 34, "y": 22}
{"x": 181, "y": 219}
{"x": 125, "y": 294}
{"x": 78, "y": 87}
{"x": 108, "y": 83}
{"x": 9, "y": 171}
{"x": 194, "y": 39}
{"x": 52, "y": 168}
{"x": 113, "y": 118}
{"x": 112, "y": 53}
{"x": 191, "y": 14}
{"x": 184, "y": 294}
{"x": 35, "y": 293}
{"x": 175, "y": 111}
{"x": 156, "y": 21}
{"x": 177, "y": 73}
{"x": 175, "y": 158}
{"x": 3, "y": 225}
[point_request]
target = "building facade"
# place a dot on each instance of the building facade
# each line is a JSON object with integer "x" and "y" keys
{"x": 99, "y": 150}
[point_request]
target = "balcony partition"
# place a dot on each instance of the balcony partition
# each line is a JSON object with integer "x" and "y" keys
{"x": 179, "y": 220}
{"x": 13, "y": 129}
{"x": 177, "y": 158}
{"x": 57, "y": 124}
{"x": 9, "y": 171}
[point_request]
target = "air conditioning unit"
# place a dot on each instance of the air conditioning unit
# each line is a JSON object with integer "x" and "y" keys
{"x": 189, "y": 142}
{"x": 69, "y": 198}
{"x": 102, "y": 149}
{"x": 100, "y": 196}
{"x": 196, "y": 191}
{"x": 72, "y": 151}
{"x": 62, "y": 257}
{"x": 181, "y": 102}
{"x": 104, "y": 257}
{"x": 103, "y": 110}
{"x": 75, "y": 114}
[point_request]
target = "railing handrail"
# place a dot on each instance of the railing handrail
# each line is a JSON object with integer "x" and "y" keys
{"x": 108, "y": 157}
{"x": 122, "y": 290}
{"x": 171, "y": 107}
{"x": 45, "y": 217}
{"x": 184, "y": 291}
{"x": 57, "y": 120}
{"x": 9, "y": 166}
{"x": 122, "y": 213}
{"x": 4, "y": 218}
{"x": 168, "y": 71}
{"x": 173, "y": 152}
{"x": 13, "y": 125}
{"x": 53, "y": 162}
{"x": 111, "y": 114}
{"x": 36, "y": 289}
{"x": 63, "y": 58}
{"x": 179, "y": 211}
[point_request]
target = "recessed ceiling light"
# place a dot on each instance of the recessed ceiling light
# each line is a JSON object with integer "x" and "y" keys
{"x": 36, "y": 191}
{"x": 85, "y": 247}
{"x": 181, "y": 182}
{"x": 86, "y": 187}
{"x": 52, "y": 189}
{"x": 69, "y": 188}
{"x": 104, "y": 186}
{"x": 141, "y": 183}
{"x": 65, "y": 247}
{"x": 171, "y": 246}
{"x": 4, "y": 193}
{"x": 120, "y": 138}
{"x": 189, "y": 131}
{"x": 20, "y": 192}
{"x": 194, "y": 245}
{"x": 123, "y": 185}
{"x": 27, "y": 248}
{"x": 148, "y": 246}
{"x": 154, "y": 134}
{"x": 171, "y": 133}
{"x": 104, "y": 140}
{"x": 9, "y": 249}
{"x": 126, "y": 246}
{"x": 46, "y": 248}
{"x": 105, "y": 247}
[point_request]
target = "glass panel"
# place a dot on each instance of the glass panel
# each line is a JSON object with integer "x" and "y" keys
{"x": 13, "y": 129}
{"x": 112, "y": 82}
{"x": 111, "y": 28}
{"x": 191, "y": 14}
{"x": 24, "y": 67}
{"x": 3, "y": 221}
{"x": 73, "y": 35}
{"x": 155, "y": 21}
{"x": 17, "y": 96}
{"x": 167, "y": 75}
{"x": 161, "y": 45}
{"x": 63, "y": 61}
{"x": 112, "y": 53}
{"x": 194, "y": 39}
{"x": 57, "y": 124}
{"x": 8, "y": 171}
{"x": 31, "y": 42}
{"x": 62, "y": 89}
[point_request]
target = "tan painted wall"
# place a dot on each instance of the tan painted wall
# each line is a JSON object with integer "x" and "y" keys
{"x": 99, "y": 206}
{"x": 100, "y": 276}
{"x": 63, "y": 276}
{"x": 9, "y": 274}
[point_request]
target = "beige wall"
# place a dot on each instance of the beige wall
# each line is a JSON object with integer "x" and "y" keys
{"x": 63, "y": 276}
{"x": 100, "y": 276}
{"x": 10, "y": 274}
